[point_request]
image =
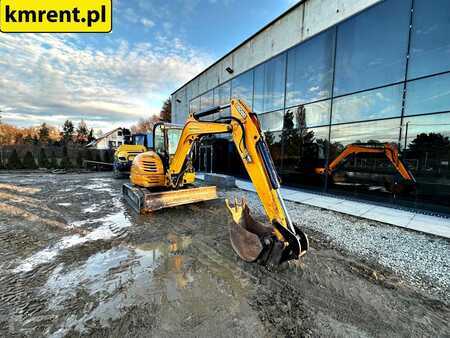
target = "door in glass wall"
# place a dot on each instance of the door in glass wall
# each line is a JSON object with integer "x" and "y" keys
{"x": 358, "y": 162}
{"x": 430, "y": 38}
{"x": 372, "y": 47}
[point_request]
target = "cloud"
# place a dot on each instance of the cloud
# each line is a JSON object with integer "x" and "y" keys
{"x": 50, "y": 78}
{"x": 147, "y": 23}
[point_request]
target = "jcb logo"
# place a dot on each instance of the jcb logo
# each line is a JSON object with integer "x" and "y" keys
{"x": 241, "y": 111}
{"x": 56, "y": 16}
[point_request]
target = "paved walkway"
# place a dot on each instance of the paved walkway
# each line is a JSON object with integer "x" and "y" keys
{"x": 434, "y": 225}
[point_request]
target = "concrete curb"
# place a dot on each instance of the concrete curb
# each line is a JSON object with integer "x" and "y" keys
{"x": 432, "y": 225}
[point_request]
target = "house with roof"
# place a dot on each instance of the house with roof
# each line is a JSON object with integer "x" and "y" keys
{"x": 111, "y": 140}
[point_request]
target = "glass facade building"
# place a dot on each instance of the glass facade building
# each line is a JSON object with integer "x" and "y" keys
{"x": 381, "y": 76}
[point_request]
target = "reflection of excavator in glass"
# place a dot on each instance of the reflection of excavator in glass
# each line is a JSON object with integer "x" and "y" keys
{"x": 167, "y": 168}
{"x": 403, "y": 183}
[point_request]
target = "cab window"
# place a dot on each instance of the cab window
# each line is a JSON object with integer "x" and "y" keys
{"x": 159, "y": 140}
{"x": 139, "y": 140}
{"x": 173, "y": 136}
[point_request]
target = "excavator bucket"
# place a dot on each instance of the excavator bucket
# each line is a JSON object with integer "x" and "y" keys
{"x": 144, "y": 201}
{"x": 246, "y": 235}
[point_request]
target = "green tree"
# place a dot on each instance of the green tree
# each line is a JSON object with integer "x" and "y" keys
{"x": 28, "y": 161}
{"x": 67, "y": 133}
{"x": 430, "y": 149}
{"x": 43, "y": 159}
{"x": 166, "y": 111}
{"x": 44, "y": 133}
{"x": 82, "y": 133}
{"x": 91, "y": 136}
{"x": 14, "y": 161}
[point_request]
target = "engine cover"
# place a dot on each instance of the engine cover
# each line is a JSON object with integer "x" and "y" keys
{"x": 147, "y": 170}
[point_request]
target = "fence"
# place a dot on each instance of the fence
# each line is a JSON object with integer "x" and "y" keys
{"x": 71, "y": 155}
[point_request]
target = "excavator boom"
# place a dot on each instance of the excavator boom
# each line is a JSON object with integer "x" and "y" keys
{"x": 171, "y": 170}
{"x": 284, "y": 241}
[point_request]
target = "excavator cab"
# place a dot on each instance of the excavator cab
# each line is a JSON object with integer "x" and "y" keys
{"x": 142, "y": 139}
{"x": 165, "y": 139}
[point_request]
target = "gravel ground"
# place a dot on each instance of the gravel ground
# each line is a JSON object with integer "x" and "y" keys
{"x": 421, "y": 259}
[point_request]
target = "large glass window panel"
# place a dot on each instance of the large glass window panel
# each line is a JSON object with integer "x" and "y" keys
{"x": 375, "y": 132}
{"x": 274, "y": 83}
{"x": 270, "y": 85}
{"x": 372, "y": 47}
{"x": 222, "y": 94}
{"x": 426, "y": 144}
{"x": 242, "y": 88}
{"x": 310, "y": 70}
{"x": 369, "y": 174}
{"x": 310, "y": 115}
{"x": 429, "y": 132}
{"x": 273, "y": 140}
{"x": 304, "y": 149}
{"x": 374, "y": 104}
{"x": 206, "y": 100}
{"x": 222, "y": 97}
{"x": 194, "y": 105}
{"x": 429, "y": 95}
{"x": 430, "y": 38}
{"x": 271, "y": 121}
{"x": 258, "y": 99}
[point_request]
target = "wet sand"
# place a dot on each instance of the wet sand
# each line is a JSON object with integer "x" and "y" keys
{"x": 77, "y": 261}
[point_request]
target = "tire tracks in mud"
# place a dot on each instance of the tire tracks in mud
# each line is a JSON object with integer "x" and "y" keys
{"x": 327, "y": 293}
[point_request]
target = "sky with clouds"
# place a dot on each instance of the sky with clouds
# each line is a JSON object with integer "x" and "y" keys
{"x": 114, "y": 79}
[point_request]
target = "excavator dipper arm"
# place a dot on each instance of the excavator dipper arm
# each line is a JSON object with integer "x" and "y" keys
{"x": 251, "y": 240}
{"x": 390, "y": 151}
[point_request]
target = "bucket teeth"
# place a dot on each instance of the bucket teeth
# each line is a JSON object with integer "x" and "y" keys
{"x": 245, "y": 233}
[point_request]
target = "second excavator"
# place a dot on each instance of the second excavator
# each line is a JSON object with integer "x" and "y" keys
{"x": 162, "y": 177}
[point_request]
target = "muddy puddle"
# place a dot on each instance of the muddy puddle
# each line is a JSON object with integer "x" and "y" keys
{"x": 77, "y": 261}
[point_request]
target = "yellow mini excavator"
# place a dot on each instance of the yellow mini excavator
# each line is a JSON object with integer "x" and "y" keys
{"x": 125, "y": 154}
{"x": 162, "y": 177}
